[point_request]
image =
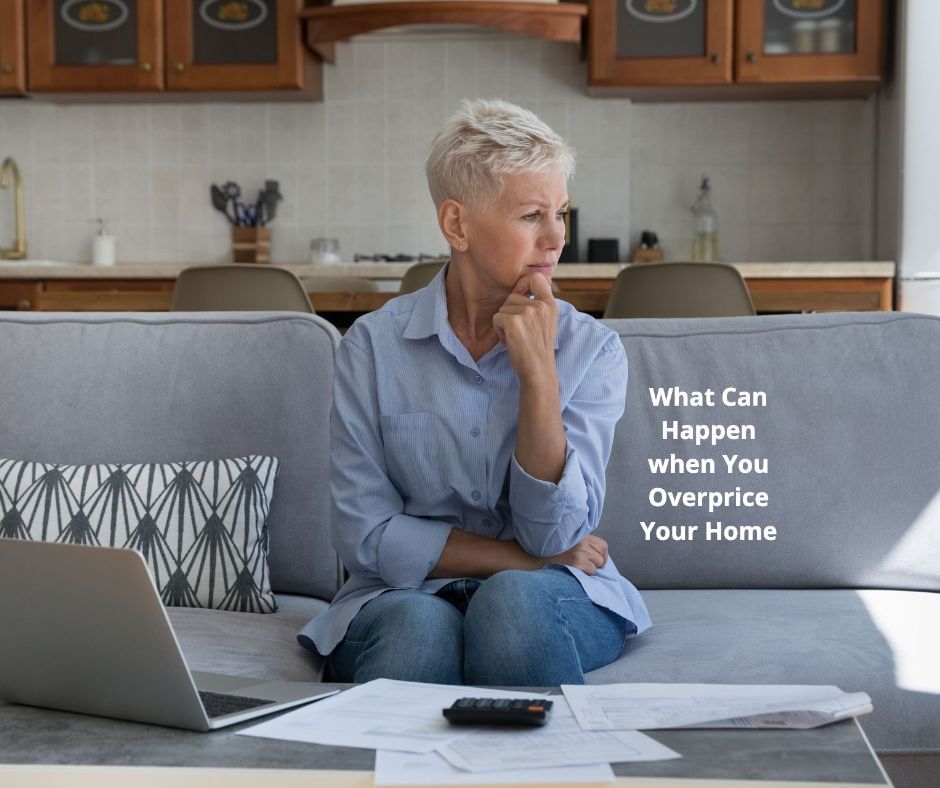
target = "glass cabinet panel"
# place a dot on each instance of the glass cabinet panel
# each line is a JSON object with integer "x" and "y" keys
{"x": 809, "y": 27}
{"x": 234, "y": 32}
{"x": 94, "y": 32}
{"x": 661, "y": 28}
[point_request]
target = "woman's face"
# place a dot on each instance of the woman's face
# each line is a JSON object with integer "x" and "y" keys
{"x": 521, "y": 232}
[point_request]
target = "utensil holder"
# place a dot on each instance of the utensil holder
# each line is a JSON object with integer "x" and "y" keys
{"x": 251, "y": 244}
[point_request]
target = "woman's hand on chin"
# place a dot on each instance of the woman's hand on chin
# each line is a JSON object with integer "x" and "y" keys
{"x": 527, "y": 325}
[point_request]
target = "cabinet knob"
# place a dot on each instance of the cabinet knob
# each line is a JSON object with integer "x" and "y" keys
{"x": 146, "y": 67}
{"x": 750, "y": 57}
{"x": 715, "y": 57}
{"x": 178, "y": 66}
{"x": 6, "y": 68}
{"x": 24, "y": 304}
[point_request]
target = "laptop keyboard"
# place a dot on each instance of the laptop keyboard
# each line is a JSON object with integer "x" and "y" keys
{"x": 218, "y": 705}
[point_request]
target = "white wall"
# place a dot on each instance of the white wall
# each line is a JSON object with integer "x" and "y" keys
{"x": 792, "y": 180}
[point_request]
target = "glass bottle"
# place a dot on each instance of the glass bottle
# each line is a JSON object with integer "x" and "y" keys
{"x": 705, "y": 244}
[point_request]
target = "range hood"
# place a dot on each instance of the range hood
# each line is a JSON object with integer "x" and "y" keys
{"x": 325, "y": 24}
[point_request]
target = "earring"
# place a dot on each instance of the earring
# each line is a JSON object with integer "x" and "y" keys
{"x": 460, "y": 246}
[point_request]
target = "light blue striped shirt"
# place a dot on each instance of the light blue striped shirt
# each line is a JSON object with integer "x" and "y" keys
{"x": 422, "y": 441}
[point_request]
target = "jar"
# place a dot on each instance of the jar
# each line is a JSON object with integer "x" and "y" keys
{"x": 324, "y": 251}
{"x": 804, "y": 36}
{"x": 830, "y": 35}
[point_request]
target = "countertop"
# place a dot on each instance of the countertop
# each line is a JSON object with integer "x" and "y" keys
{"x": 12, "y": 269}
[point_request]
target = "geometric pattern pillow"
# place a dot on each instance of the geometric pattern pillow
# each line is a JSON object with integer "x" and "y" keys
{"x": 201, "y": 527}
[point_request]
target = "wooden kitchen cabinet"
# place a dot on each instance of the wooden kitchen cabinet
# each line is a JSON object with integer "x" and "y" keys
{"x": 248, "y": 49}
{"x": 660, "y": 42}
{"x": 746, "y": 49}
{"x": 12, "y": 48}
{"x": 786, "y": 41}
{"x": 234, "y": 45}
{"x": 95, "y": 45}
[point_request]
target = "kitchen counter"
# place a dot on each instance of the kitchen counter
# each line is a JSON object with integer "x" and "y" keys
{"x": 774, "y": 287}
{"x": 12, "y": 269}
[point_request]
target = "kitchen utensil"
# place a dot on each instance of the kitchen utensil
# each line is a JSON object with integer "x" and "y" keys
{"x": 220, "y": 201}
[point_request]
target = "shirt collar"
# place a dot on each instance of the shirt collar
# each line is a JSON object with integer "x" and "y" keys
{"x": 429, "y": 316}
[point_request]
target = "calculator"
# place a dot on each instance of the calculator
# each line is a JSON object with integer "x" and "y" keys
{"x": 499, "y": 711}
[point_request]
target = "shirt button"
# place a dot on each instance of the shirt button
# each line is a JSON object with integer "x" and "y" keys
{"x": 478, "y": 380}
{"x": 487, "y": 522}
{"x": 476, "y": 495}
{"x": 475, "y": 432}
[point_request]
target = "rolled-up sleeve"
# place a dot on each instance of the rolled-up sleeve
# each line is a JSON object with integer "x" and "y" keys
{"x": 550, "y": 518}
{"x": 371, "y": 534}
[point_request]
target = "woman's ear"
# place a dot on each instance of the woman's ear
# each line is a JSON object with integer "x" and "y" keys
{"x": 451, "y": 216}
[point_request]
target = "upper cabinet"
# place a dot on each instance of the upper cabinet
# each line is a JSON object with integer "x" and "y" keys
{"x": 810, "y": 41}
{"x": 95, "y": 45}
{"x": 250, "y": 48}
{"x": 660, "y": 42}
{"x": 12, "y": 59}
{"x": 234, "y": 44}
{"x": 740, "y": 48}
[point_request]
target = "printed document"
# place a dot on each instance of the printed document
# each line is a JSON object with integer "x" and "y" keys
{"x": 561, "y": 742}
{"x": 380, "y": 715}
{"x": 405, "y": 768}
{"x": 610, "y": 707}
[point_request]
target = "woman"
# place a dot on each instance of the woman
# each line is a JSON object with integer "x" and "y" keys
{"x": 472, "y": 423}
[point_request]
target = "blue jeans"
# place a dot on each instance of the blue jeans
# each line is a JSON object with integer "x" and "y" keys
{"x": 515, "y": 628}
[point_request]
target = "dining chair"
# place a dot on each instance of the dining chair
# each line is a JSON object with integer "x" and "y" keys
{"x": 683, "y": 289}
{"x": 419, "y": 275}
{"x": 236, "y": 288}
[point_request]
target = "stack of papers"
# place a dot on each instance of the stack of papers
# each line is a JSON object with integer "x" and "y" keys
{"x": 618, "y": 707}
{"x": 590, "y": 727}
{"x": 403, "y": 721}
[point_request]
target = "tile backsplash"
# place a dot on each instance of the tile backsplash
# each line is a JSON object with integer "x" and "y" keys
{"x": 791, "y": 180}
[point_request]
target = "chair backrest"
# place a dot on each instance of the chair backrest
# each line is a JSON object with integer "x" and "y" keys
{"x": 679, "y": 290}
{"x": 338, "y": 284}
{"x": 419, "y": 275}
{"x": 231, "y": 288}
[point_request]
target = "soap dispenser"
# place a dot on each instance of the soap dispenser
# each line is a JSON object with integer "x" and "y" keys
{"x": 102, "y": 251}
{"x": 705, "y": 243}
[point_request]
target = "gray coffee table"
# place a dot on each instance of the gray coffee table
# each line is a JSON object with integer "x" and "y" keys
{"x": 834, "y": 754}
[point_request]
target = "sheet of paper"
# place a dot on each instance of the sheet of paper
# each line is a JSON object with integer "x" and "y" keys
{"x": 404, "y": 768}
{"x": 850, "y": 705}
{"x": 380, "y": 715}
{"x": 651, "y": 706}
{"x": 559, "y": 743}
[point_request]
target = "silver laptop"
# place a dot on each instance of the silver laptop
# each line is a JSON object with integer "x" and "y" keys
{"x": 83, "y": 629}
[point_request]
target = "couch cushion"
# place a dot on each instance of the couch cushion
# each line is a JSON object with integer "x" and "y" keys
{"x": 850, "y": 431}
{"x": 132, "y": 388}
{"x": 201, "y": 527}
{"x": 881, "y": 642}
{"x": 243, "y": 644}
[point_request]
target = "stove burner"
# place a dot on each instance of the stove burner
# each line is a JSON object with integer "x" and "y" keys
{"x": 395, "y": 258}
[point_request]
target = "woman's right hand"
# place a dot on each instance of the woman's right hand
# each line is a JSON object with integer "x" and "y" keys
{"x": 588, "y": 555}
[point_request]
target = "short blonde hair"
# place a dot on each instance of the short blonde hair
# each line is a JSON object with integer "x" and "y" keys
{"x": 484, "y": 140}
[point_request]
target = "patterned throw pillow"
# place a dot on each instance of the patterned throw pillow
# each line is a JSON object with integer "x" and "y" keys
{"x": 200, "y": 526}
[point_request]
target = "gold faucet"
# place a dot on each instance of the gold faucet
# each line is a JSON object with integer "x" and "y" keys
{"x": 18, "y": 250}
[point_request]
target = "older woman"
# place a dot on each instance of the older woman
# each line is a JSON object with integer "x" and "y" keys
{"x": 472, "y": 423}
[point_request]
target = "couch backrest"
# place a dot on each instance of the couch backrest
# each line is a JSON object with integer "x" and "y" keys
{"x": 95, "y": 388}
{"x": 850, "y": 433}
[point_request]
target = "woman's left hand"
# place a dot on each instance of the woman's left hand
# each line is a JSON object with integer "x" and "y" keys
{"x": 527, "y": 326}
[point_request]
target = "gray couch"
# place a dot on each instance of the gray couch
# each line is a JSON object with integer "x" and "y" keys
{"x": 846, "y": 593}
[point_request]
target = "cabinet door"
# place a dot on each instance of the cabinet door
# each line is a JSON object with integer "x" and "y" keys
{"x": 659, "y": 42}
{"x": 12, "y": 43}
{"x": 234, "y": 45}
{"x": 95, "y": 45}
{"x": 810, "y": 40}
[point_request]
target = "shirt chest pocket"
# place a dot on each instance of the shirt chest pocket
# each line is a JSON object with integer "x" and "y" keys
{"x": 413, "y": 455}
